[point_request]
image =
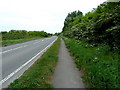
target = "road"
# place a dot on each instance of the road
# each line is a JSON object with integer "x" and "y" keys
{"x": 14, "y": 56}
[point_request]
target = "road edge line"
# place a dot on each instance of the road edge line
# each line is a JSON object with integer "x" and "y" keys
{"x": 17, "y": 70}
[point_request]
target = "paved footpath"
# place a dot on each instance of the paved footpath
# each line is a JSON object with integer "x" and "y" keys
{"x": 66, "y": 74}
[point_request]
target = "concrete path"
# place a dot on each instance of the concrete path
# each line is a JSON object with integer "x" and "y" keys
{"x": 66, "y": 74}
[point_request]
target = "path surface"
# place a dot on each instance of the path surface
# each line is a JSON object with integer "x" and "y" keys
{"x": 66, "y": 74}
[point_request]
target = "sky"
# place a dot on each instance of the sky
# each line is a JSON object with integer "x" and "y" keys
{"x": 40, "y": 15}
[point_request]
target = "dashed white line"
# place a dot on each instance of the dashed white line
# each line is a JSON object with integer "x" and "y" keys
{"x": 13, "y": 49}
{"x": 10, "y": 75}
{"x": 17, "y": 47}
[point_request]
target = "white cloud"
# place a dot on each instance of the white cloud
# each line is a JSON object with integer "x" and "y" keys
{"x": 45, "y": 15}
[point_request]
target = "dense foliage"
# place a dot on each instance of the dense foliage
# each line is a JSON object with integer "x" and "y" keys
{"x": 98, "y": 65}
{"x": 101, "y": 25}
{"x": 95, "y": 44}
{"x": 21, "y": 34}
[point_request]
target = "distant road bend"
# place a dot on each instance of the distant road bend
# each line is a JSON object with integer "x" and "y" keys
{"x": 18, "y": 56}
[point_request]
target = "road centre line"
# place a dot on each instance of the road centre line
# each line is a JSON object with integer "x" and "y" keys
{"x": 17, "y": 48}
{"x": 14, "y": 72}
{"x": 13, "y": 49}
{"x": 37, "y": 42}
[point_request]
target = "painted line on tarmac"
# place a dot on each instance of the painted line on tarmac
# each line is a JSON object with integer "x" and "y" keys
{"x": 17, "y": 70}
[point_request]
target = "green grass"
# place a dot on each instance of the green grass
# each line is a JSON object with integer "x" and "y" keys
{"x": 9, "y": 42}
{"x": 98, "y": 65}
{"x": 40, "y": 73}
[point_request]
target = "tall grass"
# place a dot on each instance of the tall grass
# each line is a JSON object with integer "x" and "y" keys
{"x": 98, "y": 64}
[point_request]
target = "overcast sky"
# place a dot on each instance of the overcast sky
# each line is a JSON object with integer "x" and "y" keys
{"x": 37, "y": 15}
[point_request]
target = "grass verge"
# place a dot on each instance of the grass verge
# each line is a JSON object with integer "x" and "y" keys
{"x": 98, "y": 65}
{"x": 40, "y": 73}
{"x": 10, "y": 42}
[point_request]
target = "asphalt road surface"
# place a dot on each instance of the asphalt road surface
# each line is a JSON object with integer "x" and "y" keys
{"x": 16, "y": 55}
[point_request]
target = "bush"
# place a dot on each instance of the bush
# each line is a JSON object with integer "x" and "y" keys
{"x": 99, "y": 65}
{"x": 102, "y": 25}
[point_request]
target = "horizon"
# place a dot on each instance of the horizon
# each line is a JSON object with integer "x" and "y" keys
{"x": 38, "y": 15}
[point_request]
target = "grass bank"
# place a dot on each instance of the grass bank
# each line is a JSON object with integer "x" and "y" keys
{"x": 10, "y": 42}
{"x": 40, "y": 73}
{"x": 98, "y": 65}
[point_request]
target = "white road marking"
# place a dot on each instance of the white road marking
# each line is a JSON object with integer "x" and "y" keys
{"x": 19, "y": 47}
{"x": 14, "y": 72}
{"x": 13, "y": 49}
{"x": 37, "y": 42}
